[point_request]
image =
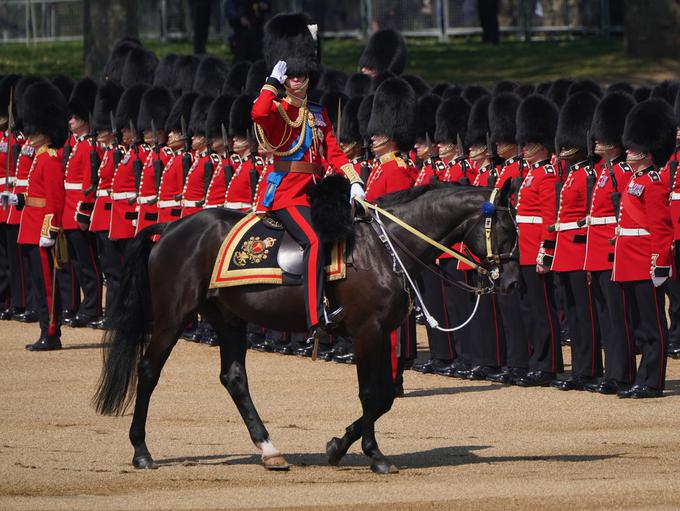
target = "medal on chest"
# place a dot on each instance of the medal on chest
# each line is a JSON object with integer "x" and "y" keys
{"x": 635, "y": 189}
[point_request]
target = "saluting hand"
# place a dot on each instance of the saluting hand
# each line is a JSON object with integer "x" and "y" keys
{"x": 279, "y": 71}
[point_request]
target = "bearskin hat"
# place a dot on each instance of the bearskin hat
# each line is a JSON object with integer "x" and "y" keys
{"x": 113, "y": 69}
{"x": 426, "y": 116}
{"x": 478, "y": 122}
{"x": 7, "y": 85}
{"x": 359, "y": 84}
{"x": 419, "y": 85}
{"x": 45, "y": 111}
{"x": 164, "y": 75}
{"x": 452, "y": 92}
{"x": 536, "y": 121}
{"x": 575, "y": 119}
{"x": 155, "y": 106}
{"x": 181, "y": 109}
{"x": 218, "y": 115}
{"x": 210, "y": 76}
{"x": 81, "y": 102}
{"x": 19, "y": 89}
{"x": 128, "y": 105}
{"x": 452, "y": 120}
{"x": 543, "y": 88}
{"x": 651, "y": 128}
{"x": 610, "y": 117}
{"x": 293, "y": 39}
{"x": 199, "y": 114}
{"x": 665, "y": 90}
{"x": 235, "y": 83}
{"x": 255, "y": 78}
{"x": 105, "y": 103}
{"x": 186, "y": 67}
{"x": 525, "y": 89}
{"x": 385, "y": 51}
{"x": 394, "y": 113}
{"x": 364, "y": 114}
{"x": 585, "y": 86}
{"x": 621, "y": 87}
{"x": 504, "y": 86}
{"x": 333, "y": 102}
{"x": 349, "y": 130}
{"x": 378, "y": 79}
{"x": 65, "y": 85}
{"x": 676, "y": 106}
{"x": 642, "y": 93}
{"x": 559, "y": 90}
{"x": 502, "y": 117}
{"x": 439, "y": 88}
{"x": 333, "y": 80}
{"x": 140, "y": 66}
{"x": 240, "y": 121}
{"x": 472, "y": 93}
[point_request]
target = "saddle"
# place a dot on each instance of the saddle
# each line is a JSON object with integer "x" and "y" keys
{"x": 257, "y": 250}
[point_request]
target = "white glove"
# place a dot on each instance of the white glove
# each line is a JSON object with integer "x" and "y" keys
{"x": 279, "y": 71}
{"x": 658, "y": 281}
{"x": 46, "y": 242}
{"x": 9, "y": 198}
{"x": 356, "y": 191}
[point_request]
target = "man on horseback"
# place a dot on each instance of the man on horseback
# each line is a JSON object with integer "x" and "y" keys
{"x": 299, "y": 135}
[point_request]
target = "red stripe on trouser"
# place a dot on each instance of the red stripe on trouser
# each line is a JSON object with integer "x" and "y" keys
{"x": 312, "y": 299}
{"x": 662, "y": 339}
{"x": 21, "y": 276}
{"x": 498, "y": 334}
{"x": 97, "y": 273}
{"x": 452, "y": 350}
{"x": 394, "y": 340}
{"x": 547, "y": 310}
{"x": 47, "y": 279}
{"x": 628, "y": 341}
{"x": 593, "y": 341}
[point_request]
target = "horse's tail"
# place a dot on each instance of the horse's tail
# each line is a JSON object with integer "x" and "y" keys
{"x": 129, "y": 316}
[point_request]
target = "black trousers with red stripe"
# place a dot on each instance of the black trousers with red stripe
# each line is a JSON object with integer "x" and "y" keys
{"x": 434, "y": 295}
{"x": 539, "y": 314}
{"x": 516, "y": 339}
{"x": 19, "y": 274}
{"x": 48, "y": 301}
{"x": 617, "y": 338}
{"x": 488, "y": 346}
{"x": 646, "y": 308}
{"x": 297, "y": 220}
{"x": 586, "y": 351}
{"x": 111, "y": 263}
{"x": 5, "y": 296}
{"x": 69, "y": 288}
{"x": 83, "y": 252}
{"x": 459, "y": 305}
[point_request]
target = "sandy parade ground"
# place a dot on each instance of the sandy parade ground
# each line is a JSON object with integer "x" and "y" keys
{"x": 458, "y": 444}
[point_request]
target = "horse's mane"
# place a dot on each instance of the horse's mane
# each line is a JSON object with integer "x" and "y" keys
{"x": 405, "y": 196}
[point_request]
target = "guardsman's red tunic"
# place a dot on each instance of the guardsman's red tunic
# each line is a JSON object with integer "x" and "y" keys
{"x": 147, "y": 198}
{"x": 124, "y": 194}
{"x": 170, "y": 190}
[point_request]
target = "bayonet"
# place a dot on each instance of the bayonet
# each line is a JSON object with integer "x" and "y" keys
{"x": 616, "y": 195}
{"x": 186, "y": 157}
{"x": 433, "y": 158}
{"x": 227, "y": 168}
{"x": 590, "y": 179}
{"x": 462, "y": 155}
{"x": 365, "y": 166}
{"x": 137, "y": 163}
{"x": 339, "y": 121}
{"x": 254, "y": 174}
{"x": 116, "y": 141}
{"x": 461, "y": 147}
{"x": 94, "y": 158}
{"x": 157, "y": 163}
{"x": 490, "y": 155}
{"x": 185, "y": 135}
{"x": 8, "y": 160}
{"x": 558, "y": 185}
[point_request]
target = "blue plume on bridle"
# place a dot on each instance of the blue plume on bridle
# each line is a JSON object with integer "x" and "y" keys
{"x": 488, "y": 209}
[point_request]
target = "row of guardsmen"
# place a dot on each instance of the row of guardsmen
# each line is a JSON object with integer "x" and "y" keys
{"x": 595, "y": 191}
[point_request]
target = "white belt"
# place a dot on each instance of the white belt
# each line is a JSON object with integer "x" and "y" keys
{"x": 21, "y": 182}
{"x": 210, "y": 206}
{"x": 73, "y": 186}
{"x": 237, "y": 205}
{"x": 169, "y": 204}
{"x": 123, "y": 195}
{"x": 675, "y": 196}
{"x": 601, "y": 220}
{"x": 146, "y": 199}
{"x": 566, "y": 226}
{"x": 102, "y": 193}
{"x": 192, "y": 203}
{"x": 3, "y": 181}
{"x": 624, "y": 231}
{"x": 522, "y": 219}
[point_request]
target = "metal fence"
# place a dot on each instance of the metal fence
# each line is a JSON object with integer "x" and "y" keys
{"x": 59, "y": 20}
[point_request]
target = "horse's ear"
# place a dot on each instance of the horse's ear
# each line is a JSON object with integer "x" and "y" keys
{"x": 506, "y": 191}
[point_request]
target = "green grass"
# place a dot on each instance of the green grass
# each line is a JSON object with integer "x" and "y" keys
{"x": 458, "y": 61}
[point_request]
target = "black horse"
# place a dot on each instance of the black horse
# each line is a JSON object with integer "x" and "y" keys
{"x": 169, "y": 283}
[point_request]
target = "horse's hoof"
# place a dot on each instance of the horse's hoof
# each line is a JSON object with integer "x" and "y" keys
{"x": 333, "y": 451}
{"x": 144, "y": 462}
{"x": 275, "y": 462}
{"x": 383, "y": 467}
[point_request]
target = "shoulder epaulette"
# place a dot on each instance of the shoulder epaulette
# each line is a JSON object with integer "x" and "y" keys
{"x": 52, "y": 152}
{"x": 146, "y": 147}
{"x": 625, "y": 167}
{"x": 235, "y": 158}
{"x": 400, "y": 162}
{"x": 654, "y": 176}
{"x": 215, "y": 158}
{"x": 167, "y": 151}
{"x": 259, "y": 160}
{"x": 440, "y": 165}
{"x": 549, "y": 169}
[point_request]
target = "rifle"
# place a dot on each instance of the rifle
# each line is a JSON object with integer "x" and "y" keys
{"x": 157, "y": 163}
{"x": 365, "y": 171}
{"x": 16, "y": 147}
{"x": 228, "y": 169}
{"x": 208, "y": 170}
{"x": 94, "y": 160}
{"x": 490, "y": 155}
{"x": 254, "y": 175}
{"x": 590, "y": 180}
{"x": 673, "y": 165}
{"x": 8, "y": 160}
{"x": 433, "y": 158}
{"x": 517, "y": 182}
{"x": 186, "y": 157}
{"x": 463, "y": 165}
{"x": 137, "y": 163}
{"x": 558, "y": 184}
{"x": 616, "y": 195}
{"x": 116, "y": 141}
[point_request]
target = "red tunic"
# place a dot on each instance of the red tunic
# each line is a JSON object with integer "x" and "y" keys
{"x": 319, "y": 145}
{"x": 147, "y": 207}
{"x": 240, "y": 194}
{"x": 570, "y": 247}
{"x": 217, "y": 189}
{"x": 431, "y": 171}
{"x": 124, "y": 195}
{"x": 101, "y": 214}
{"x": 457, "y": 169}
{"x": 21, "y": 179}
{"x": 536, "y": 210}
{"x": 44, "y": 202}
{"x": 170, "y": 190}
{"x": 675, "y": 202}
{"x": 78, "y": 179}
{"x": 645, "y": 232}
{"x": 193, "y": 194}
{"x": 5, "y": 147}
{"x": 511, "y": 169}
{"x": 392, "y": 175}
{"x": 602, "y": 217}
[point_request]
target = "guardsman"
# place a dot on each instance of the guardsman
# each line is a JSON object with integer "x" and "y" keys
{"x": 82, "y": 160}
{"x": 570, "y": 247}
{"x": 502, "y": 117}
{"x": 426, "y": 151}
{"x": 385, "y": 52}
{"x": 673, "y": 287}
{"x": 536, "y": 200}
{"x": 200, "y": 173}
{"x": 217, "y": 129}
{"x": 172, "y": 181}
{"x": 103, "y": 121}
{"x": 615, "y": 330}
{"x": 643, "y": 259}
{"x": 45, "y": 122}
{"x": 123, "y": 186}
{"x": 299, "y": 136}
{"x": 153, "y": 113}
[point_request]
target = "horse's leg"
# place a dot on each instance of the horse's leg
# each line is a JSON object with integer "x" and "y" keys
{"x": 336, "y": 448}
{"x": 232, "y": 336}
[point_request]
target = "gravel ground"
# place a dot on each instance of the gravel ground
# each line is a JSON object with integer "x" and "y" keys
{"x": 459, "y": 445}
